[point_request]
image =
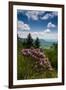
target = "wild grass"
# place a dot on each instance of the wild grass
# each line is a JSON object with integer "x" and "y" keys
{"x": 27, "y": 68}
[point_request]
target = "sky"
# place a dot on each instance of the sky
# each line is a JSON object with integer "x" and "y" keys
{"x": 41, "y": 24}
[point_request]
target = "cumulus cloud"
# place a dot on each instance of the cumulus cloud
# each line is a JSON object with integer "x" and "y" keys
{"x": 49, "y": 15}
{"x": 40, "y": 35}
{"x": 47, "y": 31}
{"x": 22, "y": 26}
{"x": 32, "y": 14}
{"x": 35, "y": 15}
{"x": 51, "y": 25}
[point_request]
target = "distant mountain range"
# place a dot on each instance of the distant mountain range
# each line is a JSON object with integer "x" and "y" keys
{"x": 46, "y": 43}
{"x": 43, "y": 43}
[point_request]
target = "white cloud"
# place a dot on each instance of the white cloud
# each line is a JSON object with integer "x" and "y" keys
{"x": 40, "y": 35}
{"x": 47, "y": 31}
{"x": 51, "y": 25}
{"x": 22, "y": 34}
{"x": 49, "y": 15}
{"x": 22, "y": 26}
{"x": 34, "y": 14}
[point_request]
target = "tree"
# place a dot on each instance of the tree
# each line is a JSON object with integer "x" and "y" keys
{"x": 37, "y": 43}
{"x": 29, "y": 41}
{"x": 53, "y": 55}
{"x": 24, "y": 43}
{"x": 19, "y": 42}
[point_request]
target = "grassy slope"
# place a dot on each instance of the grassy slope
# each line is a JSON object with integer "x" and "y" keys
{"x": 26, "y": 69}
{"x": 52, "y": 55}
{"x": 26, "y": 66}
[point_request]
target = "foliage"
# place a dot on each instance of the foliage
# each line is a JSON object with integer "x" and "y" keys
{"x": 27, "y": 68}
{"x": 19, "y": 43}
{"x": 37, "y": 43}
{"x": 52, "y": 54}
{"x": 29, "y": 41}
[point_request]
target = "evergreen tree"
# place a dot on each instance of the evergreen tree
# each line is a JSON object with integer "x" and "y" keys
{"x": 29, "y": 41}
{"x": 19, "y": 42}
{"x": 37, "y": 43}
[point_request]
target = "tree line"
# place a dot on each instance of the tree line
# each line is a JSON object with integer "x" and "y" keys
{"x": 29, "y": 42}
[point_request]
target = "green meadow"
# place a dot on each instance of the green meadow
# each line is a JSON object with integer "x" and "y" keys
{"x": 27, "y": 68}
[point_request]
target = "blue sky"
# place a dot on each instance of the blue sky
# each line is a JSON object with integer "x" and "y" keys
{"x": 42, "y": 24}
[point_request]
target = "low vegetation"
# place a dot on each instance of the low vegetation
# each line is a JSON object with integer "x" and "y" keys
{"x": 27, "y": 67}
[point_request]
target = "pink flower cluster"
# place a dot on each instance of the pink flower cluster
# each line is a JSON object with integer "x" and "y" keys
{"x": 38, "y": 55}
